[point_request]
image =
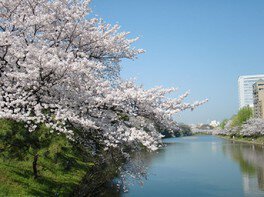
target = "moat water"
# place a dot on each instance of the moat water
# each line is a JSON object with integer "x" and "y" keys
{"x": 203, "y": 166}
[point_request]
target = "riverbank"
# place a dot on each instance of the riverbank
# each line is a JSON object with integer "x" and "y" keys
{"x": 17, "y": 178}
{"x": 249, "y": 140}
{"x": 63, "y": 168}
{"x": 200, "y": 134}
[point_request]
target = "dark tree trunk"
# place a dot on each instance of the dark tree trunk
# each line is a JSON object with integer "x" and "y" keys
{"x": 35, "y": 170}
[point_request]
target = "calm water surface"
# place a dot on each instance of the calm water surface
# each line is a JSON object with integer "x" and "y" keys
{"x": 203, "y": 166}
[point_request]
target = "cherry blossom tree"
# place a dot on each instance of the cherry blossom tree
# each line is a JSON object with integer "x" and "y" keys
{"x": 220, "y": 132}
{"x": 56, "y": 66}
{"x": 60, "y": 67}
{"x": 253, "y": 127}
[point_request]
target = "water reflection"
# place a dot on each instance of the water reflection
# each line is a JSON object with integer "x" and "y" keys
{"x": 251, "y": 161}
{"x": 203, "y": 166}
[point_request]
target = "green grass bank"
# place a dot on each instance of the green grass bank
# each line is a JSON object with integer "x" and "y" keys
{"x": 64, "y": 168}
{"x": 250, "y": 140}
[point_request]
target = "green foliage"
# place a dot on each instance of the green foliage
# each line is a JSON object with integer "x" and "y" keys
{"x": 242, "y": 116}
{"x": 223, "y": 123}
{"x": 17, "y": 178}
{"x": 14, "y": 139}
{"x": 185, "y": 130}
{"x": 123, "y": 117}
{"x": 17, "y": 142}
{"x": 205, "y": 127}
{"x": 64, "y": 167}
{"x": 61, "y": 164}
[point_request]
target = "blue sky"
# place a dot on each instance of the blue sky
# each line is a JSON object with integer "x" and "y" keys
{"x": 197, "y": 45}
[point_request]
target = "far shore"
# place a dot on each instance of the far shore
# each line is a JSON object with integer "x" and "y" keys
{"x": 248, "y": 140}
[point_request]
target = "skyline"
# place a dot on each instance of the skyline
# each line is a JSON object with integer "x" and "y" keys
{"x": 198, "y": 46}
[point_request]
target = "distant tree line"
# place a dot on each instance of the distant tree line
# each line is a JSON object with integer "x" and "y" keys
{"x": 182, "y": 130}
{"x": 243, "y": 124}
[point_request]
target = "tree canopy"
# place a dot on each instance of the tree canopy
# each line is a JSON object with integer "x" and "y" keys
{"x": 242, "y": 116}
{"x": 59, "y": 67}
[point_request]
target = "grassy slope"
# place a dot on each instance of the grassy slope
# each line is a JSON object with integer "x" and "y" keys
{"x": 257, "y": 140}
{"x": 17, "y": 179}
{"x": 56, "y": 178}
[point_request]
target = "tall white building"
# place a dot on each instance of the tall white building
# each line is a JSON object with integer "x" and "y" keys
{"x": 245, "y": 89}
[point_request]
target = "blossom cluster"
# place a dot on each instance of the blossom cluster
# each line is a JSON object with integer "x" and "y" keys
{"x": 60, "y": 67}
{"x": 220, "y": 132}
{"x": 253, "y": 127}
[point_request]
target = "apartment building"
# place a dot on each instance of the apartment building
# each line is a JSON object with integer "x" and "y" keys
{"x": 245, "y": 89}
{"x": 258, "y": 97}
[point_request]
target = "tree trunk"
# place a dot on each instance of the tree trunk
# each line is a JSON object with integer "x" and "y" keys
{"x": 35, "y": 170}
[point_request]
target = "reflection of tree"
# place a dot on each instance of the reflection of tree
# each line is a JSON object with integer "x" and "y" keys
{"x": 261, "y": 179}
{"x": 250, "y": 159}
{"x": 143, "y": 166}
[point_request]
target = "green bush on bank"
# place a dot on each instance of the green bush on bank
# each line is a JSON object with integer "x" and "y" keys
{"x": 238, "y": 119}
{"x": 223, "y": 124}
{"x": 242, "y": 116}
{"x": 62, "y": 164}
{"x": 233, "y": 128}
